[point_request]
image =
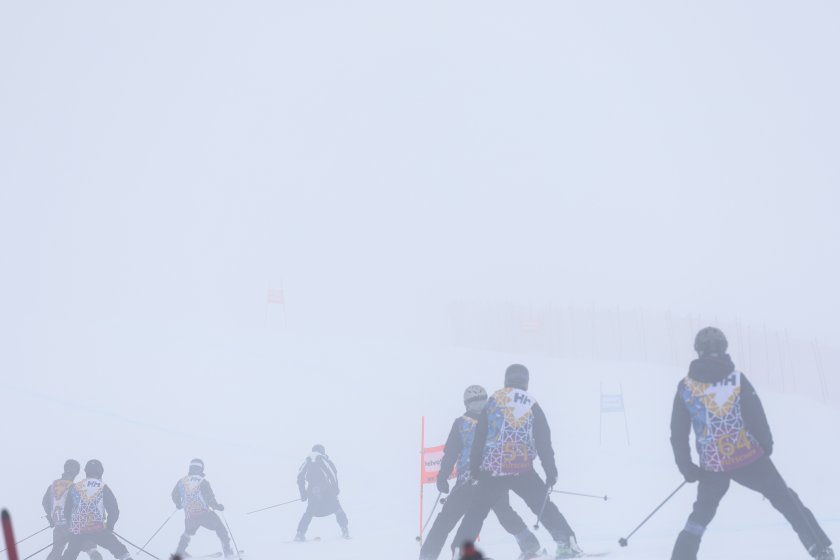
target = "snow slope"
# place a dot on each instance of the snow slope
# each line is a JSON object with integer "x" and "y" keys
{"x": 251, "y": 403}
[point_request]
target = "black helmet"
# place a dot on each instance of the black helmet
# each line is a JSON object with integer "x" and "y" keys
{"x": 71, "y": 466}
{"x": 517, "y": 376}
{"x": 710, "y": 341}
{"x": 94, "y": 469}
{"x": 196, "y": 466}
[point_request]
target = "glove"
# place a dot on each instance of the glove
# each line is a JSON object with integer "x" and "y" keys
{"x": 302, "y": 497}
{"x": 109, "y": 527}
{"x": 180, "y": 506}
{"x": 443, "y": 485}
{"x": 219, "y": 507}
{"x": 550, "y": 479}
{"x": 692, "y": 473}
{"x": 767, "y": 447}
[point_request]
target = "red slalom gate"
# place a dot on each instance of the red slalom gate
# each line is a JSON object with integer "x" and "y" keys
{"x": 9, "y": 535}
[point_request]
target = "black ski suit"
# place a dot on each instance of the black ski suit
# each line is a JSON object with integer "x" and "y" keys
{"x": 464, "y": 494}
{"x": 753, "y": 441}
{"x": 318, "y": 484}
{"x": 494, "y": 483}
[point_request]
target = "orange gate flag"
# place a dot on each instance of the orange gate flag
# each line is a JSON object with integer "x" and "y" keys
{"x": 432, "y": 457}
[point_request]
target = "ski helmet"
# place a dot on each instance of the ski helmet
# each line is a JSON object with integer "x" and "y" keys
{"x": 94, "y": 469}
{"x": 474, "y": 398}
{"x": 517, "y": 376}
{"x": 711, "y": 341}
{"x": 318, "y": 448}
{"x": 71, "y": 466}
{"x": 196, "y": 466}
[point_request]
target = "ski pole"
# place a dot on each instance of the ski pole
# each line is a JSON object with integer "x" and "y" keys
{"x": 274, "y": 506}
{"x": 426, "y": 524}
{"x": 30, "y": 536}
{"x": 9, "y": 535}
{"x": 235, "y": 547}
{"x": 542, "y": 509}
{"x": 38, "y": 551}
{"x": 143, "y": 548}
{"x": 605, "y": 498}
{"x": 128, "y": 542}
{"x": 623, "y": 541}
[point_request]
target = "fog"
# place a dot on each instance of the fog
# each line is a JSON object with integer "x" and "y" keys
{"x": 234, "y": 230}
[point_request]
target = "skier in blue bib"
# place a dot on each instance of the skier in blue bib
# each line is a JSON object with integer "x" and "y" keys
{"x": 511, "y": 432}
{"x": 457, "y": 451}
{"x": 318, "y": 483}
{"x": 733, "y": 442}
{"x": 195, "y": 496}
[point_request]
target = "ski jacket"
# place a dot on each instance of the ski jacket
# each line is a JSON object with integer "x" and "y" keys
{"x": 318, "y": 477}
{"x": 54, "y": 501}
{"x": 510, "y": 433}
{"x": 195, "y": 495}
{"x": 729, "y": 423}
{"x": 92, "y": 506}
{"x": 456, "y": 452}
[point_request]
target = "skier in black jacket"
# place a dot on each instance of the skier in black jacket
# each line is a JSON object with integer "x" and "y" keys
{"x": 734, "y": 442}
{"x": 195, "y": 496}
{"x": 318, "y": 483}
{"x": 457, "y": 451}
{"x": 93, "y": 513}
{"x": 511, "y": 432}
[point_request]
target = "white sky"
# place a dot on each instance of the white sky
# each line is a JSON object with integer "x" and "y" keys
{"x": 164, "y": 161}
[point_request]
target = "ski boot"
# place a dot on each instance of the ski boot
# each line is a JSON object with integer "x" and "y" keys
{"x": 531, "y": 554}
{"x": 345, "y": 533}
{"x": 568, "y": 549}
{"x": 300, "y": 537}
{"x": 825, "y": 553}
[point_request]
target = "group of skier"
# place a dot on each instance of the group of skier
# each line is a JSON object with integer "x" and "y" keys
{"x": 83, "y": 514}
{"x": 494, "y": 444}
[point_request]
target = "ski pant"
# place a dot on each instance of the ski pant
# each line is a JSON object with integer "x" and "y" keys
{"x": 762, "y": 477}
{"x": 530, "y": 487}
{"x": 316, "y": 508}
{"x": 456, "y": 505}
{"x": 87, "y": 542}
{"x": 61, "y": 536}
{"x": 209, "y": 520}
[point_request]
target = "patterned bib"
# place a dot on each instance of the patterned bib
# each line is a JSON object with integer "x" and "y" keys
{"x": 510, "y": 447}
{"x": 88, "y": 514}
{"x": 723, "y": 442}
{"x": 191, "y": 496}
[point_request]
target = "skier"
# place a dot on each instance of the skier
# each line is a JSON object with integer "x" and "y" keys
{"x": 318, "y": 483}
{"x": 733, "y": 442}
{"x": 457, "y": 450}
{"x": 54, "y": 501}
{"x": 194, "y": 495}
{"x": 93, "y": 514}
{"x": 511, "y": 431}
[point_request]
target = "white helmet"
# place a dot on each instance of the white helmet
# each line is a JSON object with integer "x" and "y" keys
{"x": 474, "y": 398}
